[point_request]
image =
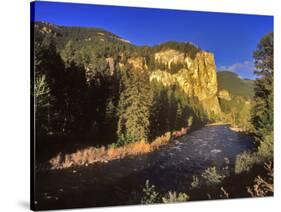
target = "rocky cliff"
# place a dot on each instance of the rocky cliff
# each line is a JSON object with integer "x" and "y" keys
{"x": 197, "y": 77}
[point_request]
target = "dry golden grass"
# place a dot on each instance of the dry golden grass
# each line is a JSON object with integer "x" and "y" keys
{"x": 93, "y": 155}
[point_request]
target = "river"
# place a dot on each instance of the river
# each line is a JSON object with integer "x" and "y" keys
{"x": 119, "y": 182}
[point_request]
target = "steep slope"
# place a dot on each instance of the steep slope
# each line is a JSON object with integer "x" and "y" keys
{"x": 236, "y": 86}
{"x": 235, "y": 97}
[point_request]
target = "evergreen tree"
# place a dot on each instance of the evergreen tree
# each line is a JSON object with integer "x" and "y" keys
{"x": 48, "y": 64}
{"x": 75, "y": 97}
{"x": 172, "y": 111}
{"x": 262, "y": 117}
{"x": 42, "y": 103}
{"x": 159, "y": 110}
{"x": 134, "y": 105}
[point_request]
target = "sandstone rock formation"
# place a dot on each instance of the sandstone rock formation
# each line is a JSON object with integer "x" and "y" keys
{"x": 224, "y": 94}
{"x": 198, "y": 77}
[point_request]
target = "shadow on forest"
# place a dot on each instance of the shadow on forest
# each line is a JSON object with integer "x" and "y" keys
{"x": 49, "y": 146}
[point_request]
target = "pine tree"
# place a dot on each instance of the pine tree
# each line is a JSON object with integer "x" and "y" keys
{"x": 49, "y": 64}
{"x": 74, "y": 97}
{"x": 262, "y": 117}
{"x": 43, "y": 102}
{"x": 134, "y": 105}
{"x": 159, "y": 110}
{"x": 172, "y": 111}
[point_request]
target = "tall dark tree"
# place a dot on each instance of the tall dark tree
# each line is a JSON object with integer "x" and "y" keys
{"x": 159, "y": 110}
{"x": 262, "y": 117}
{"x": 75, "y": 98}
{"x": 49, "y": 67}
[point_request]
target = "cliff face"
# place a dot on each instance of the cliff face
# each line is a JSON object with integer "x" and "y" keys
{"x": 197, "y": 77}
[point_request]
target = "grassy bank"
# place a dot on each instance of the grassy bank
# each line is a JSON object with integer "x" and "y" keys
{"x": 92, "y": 155}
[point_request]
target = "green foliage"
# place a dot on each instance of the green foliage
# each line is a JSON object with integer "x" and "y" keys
{"x": 172, "y": 109}
{"x": 150, "y": 195}
{"x": 237, "y": 109}
{"x": 49, "y": 71}
{"x": 134, "y": 105}
{"x": 265, "y": 149}
{"x": 212, "y": 177}
{"x": 264, "y": 56}
{"x": 95, "y": 38}
{"x": 244, "y": 116}
{"x": 251, "y": 103}
{"x": 245, "y": 161}
{"x": 124, "y": 139}
{"x": 262, "y": 116}
{"x": 262, "y": 112}
{"x": 69, "y": 53}
{"x": 173, "y": 197}
{"x": 237, "y": 112}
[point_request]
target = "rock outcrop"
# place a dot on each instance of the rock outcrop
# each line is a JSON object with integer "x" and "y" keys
{"x": 197, "y": 77}
{"x": 225, "y": 95}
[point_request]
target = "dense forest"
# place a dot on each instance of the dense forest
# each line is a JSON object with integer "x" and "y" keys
{"x": 84, "y": 85}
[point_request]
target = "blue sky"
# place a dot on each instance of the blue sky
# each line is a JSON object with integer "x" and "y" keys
{"x": 231, "y": 37}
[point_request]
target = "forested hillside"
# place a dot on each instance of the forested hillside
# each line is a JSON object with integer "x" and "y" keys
{"x": 236, "y": 98}
{"x": 89, "y": 81}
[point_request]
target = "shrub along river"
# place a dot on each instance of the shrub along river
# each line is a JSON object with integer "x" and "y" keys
{"x": 120, "y": 182}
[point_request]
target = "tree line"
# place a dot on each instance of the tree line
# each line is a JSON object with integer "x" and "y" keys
{"x": 78, "y": 94}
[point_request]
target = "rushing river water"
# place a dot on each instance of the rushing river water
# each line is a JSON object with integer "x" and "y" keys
{"x": 116, "y": 182}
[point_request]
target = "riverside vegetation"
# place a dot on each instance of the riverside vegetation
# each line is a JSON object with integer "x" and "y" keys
{"x": 99, "y": 98}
